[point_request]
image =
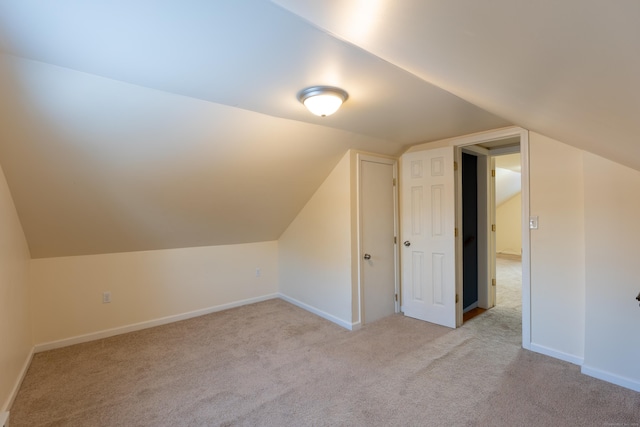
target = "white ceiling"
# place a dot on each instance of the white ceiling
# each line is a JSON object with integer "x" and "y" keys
{"x": 511, "y": 162}
{"x": 567, "y": 69}
{"x": 248, "y": 54}
{"x": 133, "y": 125}
{"x": 507, "y": 185}
{"x": 508, "y": 177}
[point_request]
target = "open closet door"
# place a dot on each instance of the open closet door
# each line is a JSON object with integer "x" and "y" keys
{"x": 428, "y": 236}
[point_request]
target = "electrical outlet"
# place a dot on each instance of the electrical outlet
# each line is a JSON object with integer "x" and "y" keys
{"x": 258, "y": 272}
{"x": 106, "y": 297}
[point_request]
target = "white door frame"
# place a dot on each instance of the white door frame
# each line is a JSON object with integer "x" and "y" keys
{"x": 499, "y": 134}
{"x": 360, "y": 157}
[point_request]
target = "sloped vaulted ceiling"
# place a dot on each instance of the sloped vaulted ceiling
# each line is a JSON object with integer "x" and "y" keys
{"x": 139, "y": 124}
{"x": 136, "y": 125}
{"x": 568, "y": 69}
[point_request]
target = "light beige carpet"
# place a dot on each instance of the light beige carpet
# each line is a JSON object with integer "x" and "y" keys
{"x": 273, "y": 364}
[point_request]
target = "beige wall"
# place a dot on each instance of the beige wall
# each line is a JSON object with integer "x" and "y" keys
{"x": 612, "y": 206}
{"x": 583, "y": 279}
{"x": 509, "y": 226}
{"x": 557, "y": 248}
{"x": 315, "y": 251}
{"x": 145, "y": 287}
{"x": 15, "y": 322}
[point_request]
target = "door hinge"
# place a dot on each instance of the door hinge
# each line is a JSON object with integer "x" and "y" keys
{"x": 395, "y": 240}
{"x": 493, "y": 173}
{"x": 455, "y": 232}
{"x": 493, "y": 227}
{"x": 396, "y": 297}
{"x": 394, "y": 182}
{"x": 457, "y": 298}
{"x": 493, "y": 282}
{"x": 455, "y": 166}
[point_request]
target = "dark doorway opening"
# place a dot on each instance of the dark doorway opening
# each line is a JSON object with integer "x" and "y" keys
{"x": 469, "y": 232}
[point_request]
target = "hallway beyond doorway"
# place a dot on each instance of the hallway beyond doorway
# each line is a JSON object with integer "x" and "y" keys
{"x": 509, "y": 285}
{"x": 509, "y": 281}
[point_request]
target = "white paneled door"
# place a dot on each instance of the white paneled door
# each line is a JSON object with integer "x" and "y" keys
{"x": 428, "y": 239}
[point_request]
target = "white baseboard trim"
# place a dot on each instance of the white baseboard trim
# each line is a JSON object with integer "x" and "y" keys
{"x": 16, "y": 388}
{"x": 323, "y": 314}
{"x": 556, "y": 354}
{"x": 611, "y": 378}
{"x": 147, "y": 324}
{"x": 4, "y": 419}
{"x": 510, "y": 253}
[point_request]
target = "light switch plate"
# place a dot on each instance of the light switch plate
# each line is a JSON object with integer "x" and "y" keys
{"x": 533, "y": 222}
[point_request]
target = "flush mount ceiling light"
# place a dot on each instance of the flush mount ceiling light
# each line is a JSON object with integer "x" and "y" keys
{"x": 323, "y": 100}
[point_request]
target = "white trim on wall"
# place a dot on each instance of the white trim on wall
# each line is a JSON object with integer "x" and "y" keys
{"x": 16, "y": 386}
{"x": 147, "y": 324}
{"x": 611, "y": 378}
{"x": 347, "y": 325}
{"x": 526, "y": 241}
{"x": 557, "y": 354}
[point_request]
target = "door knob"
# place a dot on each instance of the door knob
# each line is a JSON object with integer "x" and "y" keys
{"x": 407, "y": 243}
{"x": 367, "y": 256}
